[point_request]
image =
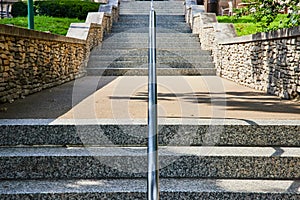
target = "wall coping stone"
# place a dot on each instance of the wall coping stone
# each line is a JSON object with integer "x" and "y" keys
{"x": 107, "y": 9}
{"x": 94, "y": 17}
{"x": 190, "y": 3}
{"x": 114, "y": 3}
{"x": 224, "y": 31}
{"x": 278, "y": 34}
{"x": 196, "y": 9}
{"x": 101, "y": 1}
{"x": 81, "y": 30}
{"x": 208, "y": 18}
{"x": 32, "y": 34}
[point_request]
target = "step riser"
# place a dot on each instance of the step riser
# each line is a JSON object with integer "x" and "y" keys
{"x": 146, "y": 31}
{"x": 170, "y": 28}
{"x": 181, "y": 166}
{"x": 146, "y": 16}
{"x": 136, "y": 189}
{"x": 145, "y": 59}
{"x": 143, "y": 52}
{"x": 143, "y": 195}
{"x": 136, "y": 135}
{"x": 133, "y": 20}
{"x": 158, "y": 40}
{"x": 163, "y": 196}
{"x": 145, "y": 45}
{"x": 143, "y": 24}
{"x": 144, "y": 65}
{"x": 158, "y": 35}
{"x": 145, "y": 21}
{"x": 144, "y": 72}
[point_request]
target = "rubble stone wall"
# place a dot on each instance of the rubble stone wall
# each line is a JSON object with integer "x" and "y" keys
{"x": 264, "y": 61}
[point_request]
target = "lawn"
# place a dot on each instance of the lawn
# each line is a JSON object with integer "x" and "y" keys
{"x": 43, "y": 23}
{"x": 246, "y": 25}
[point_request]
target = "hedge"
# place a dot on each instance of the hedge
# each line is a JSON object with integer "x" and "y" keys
{"x": 56, "y": 8}
{"x": 19, "y": 9}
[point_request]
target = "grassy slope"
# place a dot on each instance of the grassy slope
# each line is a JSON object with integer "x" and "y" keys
{"x": 43, "y": 23}
{"x": 246, "y": 24}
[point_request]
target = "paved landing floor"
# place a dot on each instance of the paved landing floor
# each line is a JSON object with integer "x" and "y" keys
{"x": 179, "y": 97}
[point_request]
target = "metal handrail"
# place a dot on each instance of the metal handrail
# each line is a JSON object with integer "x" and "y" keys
{"x": 153, "y": 166}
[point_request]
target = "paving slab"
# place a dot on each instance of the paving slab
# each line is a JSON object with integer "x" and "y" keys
{"x": 179, "y": 97}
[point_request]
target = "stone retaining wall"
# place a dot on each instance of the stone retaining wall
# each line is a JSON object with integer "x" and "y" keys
{"x": 31, "y": 61}
{"x": 265, "y": 61}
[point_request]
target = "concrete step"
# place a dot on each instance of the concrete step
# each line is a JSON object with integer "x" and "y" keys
{"x": 145, "y": 18}
{"x": 144, "y": 51}
{"x": 158, "y": 35}
{"x": 146, "y": 25}
{"x": 160, "y": 8}
{"x": 158, "y": 13}
{"x": 146, "y": 30}
{"x": 144, "y": 59}
{"x": 128, "y": 189}
{"x": 206, "y": 133}
{"x": 145, "y": 22}
{"x": 165, "y": 10}
{"x": 144, "y": 39}
{"x": 131, "y": 162}
{"x": 144, "y": 71}
{"x": 180, "y": 63}
{"x": 160, "y": 45}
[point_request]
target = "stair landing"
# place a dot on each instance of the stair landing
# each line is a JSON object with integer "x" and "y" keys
{"x": 179, "y": 97}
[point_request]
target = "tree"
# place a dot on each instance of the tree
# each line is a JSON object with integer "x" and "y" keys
{"x": 266, "y": 11}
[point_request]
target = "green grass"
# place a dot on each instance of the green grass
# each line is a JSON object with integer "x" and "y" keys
{"x": 43, "y": 23}
{"x": 246, "y": 25}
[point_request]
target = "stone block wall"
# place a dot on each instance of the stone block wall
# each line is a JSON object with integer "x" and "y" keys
{"x": 31, "y": 61}
{"x": 265, "y": 61}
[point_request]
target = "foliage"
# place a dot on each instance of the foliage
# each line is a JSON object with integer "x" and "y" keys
{"x": 43, "y": 23}
{"x": 19, "y": 9}
{"x": 57, "y": 8}
{"x": 246, "y": 25}
{"x": 65, "y": 8}
{"x": 265, "y": 12}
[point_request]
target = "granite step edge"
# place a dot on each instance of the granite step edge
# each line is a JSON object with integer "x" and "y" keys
{"x": 144, "y": 71}
{"x": 122, "y": 132}
{"x": 131, "y": 162}
{"x": 164, "y": 151}
{"x": 169, "y": 188}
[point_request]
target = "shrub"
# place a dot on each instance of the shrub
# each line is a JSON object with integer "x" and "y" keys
{"x": 19, "y": 9}
{"x": 65, "y": 8}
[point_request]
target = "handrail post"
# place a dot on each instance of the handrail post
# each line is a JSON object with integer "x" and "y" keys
{"x": 153, "y": 165}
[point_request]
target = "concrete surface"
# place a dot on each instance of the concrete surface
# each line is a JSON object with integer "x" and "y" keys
{"x": 179, "y": 97}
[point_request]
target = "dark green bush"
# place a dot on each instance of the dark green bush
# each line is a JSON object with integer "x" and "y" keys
{"x": 19, "y": 9}
{"x": 65, "y": 8}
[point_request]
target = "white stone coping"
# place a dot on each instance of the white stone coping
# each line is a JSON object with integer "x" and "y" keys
{"x": 95, "y": 17}
{"x": 81, "y": 30}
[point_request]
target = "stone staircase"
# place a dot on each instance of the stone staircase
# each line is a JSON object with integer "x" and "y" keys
{"x": 106, "y": 159}
{"x": 125, "y": 50}
{"x": 197, "y": 161}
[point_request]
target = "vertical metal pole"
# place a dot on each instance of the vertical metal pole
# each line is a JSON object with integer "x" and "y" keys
{"x": 153, "y": 166}
{"x": 30, "y": 15}
{"x": 1, "y": 9}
